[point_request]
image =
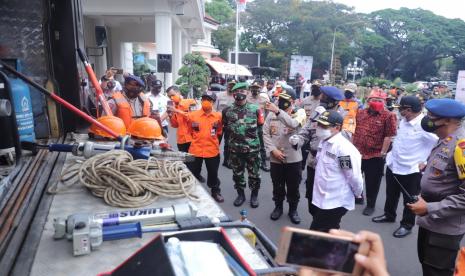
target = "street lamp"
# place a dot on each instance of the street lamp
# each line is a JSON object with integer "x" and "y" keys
{"x": 331, "y": 79}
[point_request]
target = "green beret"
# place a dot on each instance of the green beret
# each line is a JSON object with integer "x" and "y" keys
{"x": 240, "y": 85}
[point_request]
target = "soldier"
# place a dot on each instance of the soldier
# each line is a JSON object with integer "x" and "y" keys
{"x": 242, "y": 120}
{"x": 440, "y": 209}
{"x": 225, "y": 99}
{"x": 255, "y": 97}
{"x": 282, "y": 122}
{"x": 329, "y": 101}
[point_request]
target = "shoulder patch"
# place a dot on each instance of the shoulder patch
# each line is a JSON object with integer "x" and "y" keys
{"x": 344, "y": 162}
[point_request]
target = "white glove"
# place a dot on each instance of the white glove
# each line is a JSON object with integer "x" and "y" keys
{"x": 294, "y": 139}
{"x": 318, "y": 111}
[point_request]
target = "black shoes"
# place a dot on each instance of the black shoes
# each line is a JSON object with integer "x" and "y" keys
{"x": 368, "y": 211}
{"x": 240, "y": 199}
{"x": 277, "y": 212}
{"x": 264, "y": 166}
{"x": 254, "y": 199}
{"x": 217, "y": 197}
{"x": 402, "y": 232}
{"x": 382, "y": 219}
{"x": 359, "y": 200}
{"x": 294, "y": 216}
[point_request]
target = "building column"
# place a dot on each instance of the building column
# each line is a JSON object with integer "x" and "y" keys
{"x": 127, "y": 62}
{"x": 185, "y": 42}
{"x": 101, "y": 61}
{"x": 163, "y": 40}
{"x": 177, "y": 52}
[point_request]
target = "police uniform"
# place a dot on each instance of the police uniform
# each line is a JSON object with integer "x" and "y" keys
{"x": 338, "y": 177}
{"x": 307, "y": 135}
{"x": 443, "y": 188}
{"x": 242, "y": 121}
{"x": 261, "y": 99}
{"x": 285, "y": 175}
{"x": 225, "y": 99}
{"x": 309, "y": 104}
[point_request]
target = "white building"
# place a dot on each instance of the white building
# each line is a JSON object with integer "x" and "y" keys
{"x": 204, "y": 46}
{"x": 163, "y": 26}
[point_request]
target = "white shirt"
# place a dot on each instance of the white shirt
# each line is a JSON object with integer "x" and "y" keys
{"x": 338, "y": 174}
{"x": 307, "y": 87}
{"x": 411, "y": 146}
{"x": 159, "y": 102}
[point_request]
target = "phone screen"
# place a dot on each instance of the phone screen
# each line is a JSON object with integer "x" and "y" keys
{"x": 322, "y": 252}
{"x": 169, "y": 103}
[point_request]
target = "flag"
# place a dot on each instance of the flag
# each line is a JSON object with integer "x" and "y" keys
{"x": 241, "y": 5}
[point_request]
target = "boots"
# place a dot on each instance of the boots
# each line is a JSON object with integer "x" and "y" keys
{"x": 278, "y": 211}
{"x": 264, "y": 166}
{"x": 240, "y": 198}
{"x": 293, "y": 215}
{"x": 254, "y": 199}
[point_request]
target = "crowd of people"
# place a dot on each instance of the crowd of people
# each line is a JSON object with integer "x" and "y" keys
{"x": 345, "y": 144}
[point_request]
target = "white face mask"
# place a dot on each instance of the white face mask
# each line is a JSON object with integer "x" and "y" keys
{"x": 322, "y": 133}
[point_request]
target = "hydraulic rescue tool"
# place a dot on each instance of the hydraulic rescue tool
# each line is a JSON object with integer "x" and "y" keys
{"x": 88, "y": 231}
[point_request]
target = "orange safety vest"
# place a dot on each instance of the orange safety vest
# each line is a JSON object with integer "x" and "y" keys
{"x": 124, "y": 110}
{"x": 351, "y": 108}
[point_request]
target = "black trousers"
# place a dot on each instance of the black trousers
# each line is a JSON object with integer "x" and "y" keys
{"x": 184, "y": 147}
{"x": 373, "y": 170}
{"x": 327, "y": 219}
{"x": 309, "y": 188}
{"x": 212, "y": 165}
{"x": 286, "y": 177}
{"x": 411, "y": 182}
{"x": 226, "y": 151}
{"x": 305, "y": 151}
{"x": 437, "y": 252}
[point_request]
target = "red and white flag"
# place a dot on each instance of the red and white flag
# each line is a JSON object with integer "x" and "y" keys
{"x": 241, "y": 5}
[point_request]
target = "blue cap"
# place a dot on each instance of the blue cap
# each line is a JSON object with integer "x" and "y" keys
{"x": 446, "y": 108}
{"x": 332, "y": 92}
{"x": 134, "y": 78}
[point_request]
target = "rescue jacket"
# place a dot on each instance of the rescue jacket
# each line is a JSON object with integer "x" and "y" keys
{"x": 351, "y": 108}
{"x": 124, "y": 110}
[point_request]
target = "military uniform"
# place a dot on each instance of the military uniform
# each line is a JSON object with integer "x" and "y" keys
{"x": 441, "y": 229}
{"x": 242, "y": 123}
{"x": 260, "y": 101}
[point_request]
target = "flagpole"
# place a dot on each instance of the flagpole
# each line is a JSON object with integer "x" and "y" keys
{"x": 236, "y": 58}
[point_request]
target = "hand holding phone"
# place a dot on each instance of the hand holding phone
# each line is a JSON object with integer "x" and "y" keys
{"x": 321, "y": 251}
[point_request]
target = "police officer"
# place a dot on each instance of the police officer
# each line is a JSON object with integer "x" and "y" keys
{"x": 242, "y": 120}
{"x": 309, "y": 104}
{"x": 255, "y": 97}
{"x": 225, "y": 99}
{"x": 338, "y": 174}
{"x": 441, "y": 206}
{"x": 329, "y": 101}
{"x": 286, "y": 173}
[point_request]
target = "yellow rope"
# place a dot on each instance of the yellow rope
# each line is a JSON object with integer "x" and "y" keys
{"x": 124, "y": 182}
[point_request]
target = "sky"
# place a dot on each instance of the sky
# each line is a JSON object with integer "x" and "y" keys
{"x": 446, "y": 8}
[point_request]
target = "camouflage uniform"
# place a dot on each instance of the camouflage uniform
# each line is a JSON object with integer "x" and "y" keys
{"x": 242, "y": 122}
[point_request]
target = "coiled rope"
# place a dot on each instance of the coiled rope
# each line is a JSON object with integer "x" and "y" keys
{"x": 124, "y": 182}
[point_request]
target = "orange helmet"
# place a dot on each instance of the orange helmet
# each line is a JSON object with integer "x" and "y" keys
{"x": 112, "y": 122}
{"x": 146, "y": 128}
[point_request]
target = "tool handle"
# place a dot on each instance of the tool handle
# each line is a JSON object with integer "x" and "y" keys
{"x": 122, "y": 231}
{"x": 61, "y": 147}
{"x": 82, "y": 55}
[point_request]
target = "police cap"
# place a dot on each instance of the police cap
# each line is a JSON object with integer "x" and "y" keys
{"x": 209, "y": 95}
{"x": 288, "y": 94}
{"x": 332, "y": 92}
{"x": 446, "y": 108}
{"x": 255, "y": 84}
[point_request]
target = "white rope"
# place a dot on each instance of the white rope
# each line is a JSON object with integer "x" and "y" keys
{"x": 124, "y": 182}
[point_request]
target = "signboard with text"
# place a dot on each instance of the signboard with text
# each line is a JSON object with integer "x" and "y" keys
{"x": 460, "y": 92}
{"x": 302, "y": 65}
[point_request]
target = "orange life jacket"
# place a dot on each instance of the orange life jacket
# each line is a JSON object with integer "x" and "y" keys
{"x": 351, "y": 108}
{"x": 124, "y": 108}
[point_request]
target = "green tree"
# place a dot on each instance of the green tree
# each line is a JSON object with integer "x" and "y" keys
{"x": 193, "y": 75}
{"x": 223, "y": 38}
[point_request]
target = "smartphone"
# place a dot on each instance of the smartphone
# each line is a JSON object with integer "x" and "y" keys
{"x": 319, "y": 251}
{"x": 169, "y": 103}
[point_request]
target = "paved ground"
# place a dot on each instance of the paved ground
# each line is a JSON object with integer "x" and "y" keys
{"x": 401, "y": 254}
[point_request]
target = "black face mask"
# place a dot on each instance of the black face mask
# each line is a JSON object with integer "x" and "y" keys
{"x": 155, "y": 90}
{"x": 328, "y": 104}
{"x": 348, "y": 94}
{"x": 283, "y": 104}
{"x": 254, "y": 92}
{"x": 428, "y": 124}
{"x": 239, "y": 97}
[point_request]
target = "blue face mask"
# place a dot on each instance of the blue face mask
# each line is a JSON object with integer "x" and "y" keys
{"x": 348, "y": 94}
